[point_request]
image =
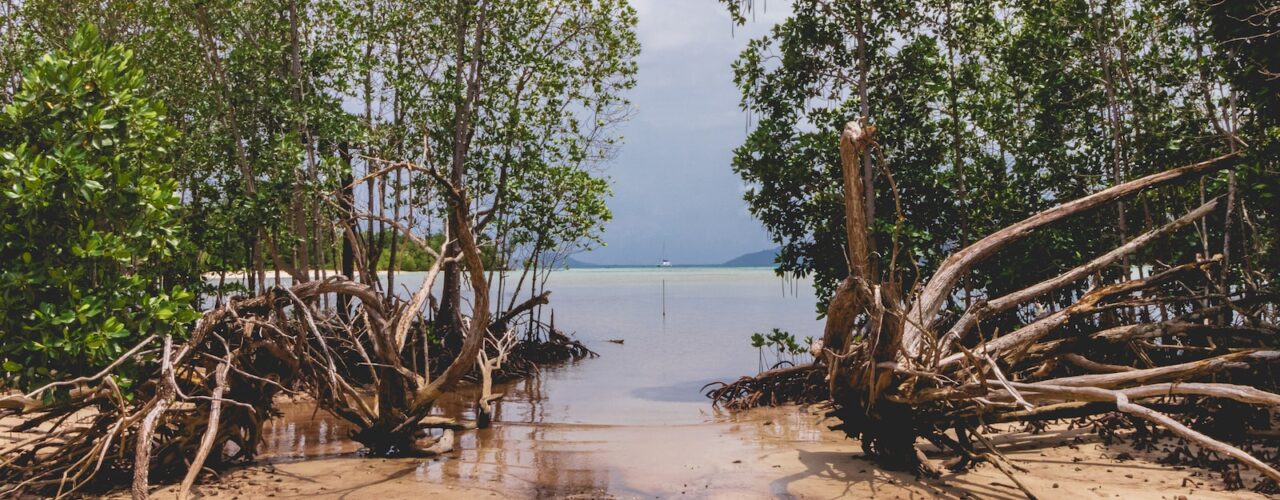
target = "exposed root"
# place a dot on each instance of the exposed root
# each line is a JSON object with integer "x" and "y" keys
{"x": 1175, "y": 349}
{"x": 803, "y": 384}
{"x": 203, "y": 401}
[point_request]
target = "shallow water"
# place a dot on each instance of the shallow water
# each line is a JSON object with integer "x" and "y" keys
{"x": 681, "y": 329}
{"x": 655, "y": 376}
{"x": 632, "y": 422}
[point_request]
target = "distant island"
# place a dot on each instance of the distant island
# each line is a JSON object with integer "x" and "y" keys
{"x": 763, "y": 258}
{"x": 573, "y": 263}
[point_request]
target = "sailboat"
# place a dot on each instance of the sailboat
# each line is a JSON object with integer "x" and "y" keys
{"x": 665, "y": 262}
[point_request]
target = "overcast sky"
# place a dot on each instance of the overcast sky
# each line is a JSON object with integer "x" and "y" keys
{"x": 672, "y": 179}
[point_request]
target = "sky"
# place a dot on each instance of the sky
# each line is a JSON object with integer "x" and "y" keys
{"x": 672, "y": 179}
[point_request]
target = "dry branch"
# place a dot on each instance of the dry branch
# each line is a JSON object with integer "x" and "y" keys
{"x": 948, "y": 275}
{"x": 898, "y": 369}
{"x": 986, "y": 309}
{"x": 202, "y": 402}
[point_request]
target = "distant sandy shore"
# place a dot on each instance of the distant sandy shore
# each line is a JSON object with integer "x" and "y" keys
{"x": 270, "y": 274}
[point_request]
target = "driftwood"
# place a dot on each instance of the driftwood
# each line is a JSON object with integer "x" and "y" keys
{"x": 213, "y": 390}
{"x": 201, "y": 401}
{"x": 898, "y": 369}
{"x": 488, "y": 363}
{"x": 794, "y": 384}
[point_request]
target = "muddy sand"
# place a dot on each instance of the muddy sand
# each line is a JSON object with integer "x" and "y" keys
{"x": 764, "y": 453}
{"x": 633, "y": 423}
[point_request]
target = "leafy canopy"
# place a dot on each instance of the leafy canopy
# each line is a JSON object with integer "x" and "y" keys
{"x": 989, "y": 112}
{"x": 87, "y": 216}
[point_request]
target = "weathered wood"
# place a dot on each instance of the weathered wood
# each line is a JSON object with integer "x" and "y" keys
{"x": 987, "y": 309}
{"x": 1123, "y": 404}
{"x": 849, "y": 300}
{"x": 1017, "y": 343}
{"x": 944, "y": 280}
{"x": 159, "y": 404}
{"x": 1171, "y": 373}
{"x": 210, "y": 433}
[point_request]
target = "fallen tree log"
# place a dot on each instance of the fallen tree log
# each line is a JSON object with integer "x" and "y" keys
{"x": 985, "y": 309}
{"x": 1017, "y": 342}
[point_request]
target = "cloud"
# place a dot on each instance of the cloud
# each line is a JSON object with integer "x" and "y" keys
{"x": 672, "y": 179}
{"x": 679, "y": 25}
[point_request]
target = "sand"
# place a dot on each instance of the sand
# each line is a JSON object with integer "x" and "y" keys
{"x": 766, "y": 453}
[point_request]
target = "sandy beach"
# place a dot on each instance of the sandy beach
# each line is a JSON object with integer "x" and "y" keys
{"x": 763, "y": 453}
{"x": 634, "y": 424}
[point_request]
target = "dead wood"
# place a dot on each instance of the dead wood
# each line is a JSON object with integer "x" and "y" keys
{"x": 501, "y": 323}
{"x": 949, "y": 273}
{"x": 986, "y": 309}
{"x": 202, "y": 400}
{"x": 210, "y": 432}
{"x": 898, "y": 369}
{"x": 794, "y": 384}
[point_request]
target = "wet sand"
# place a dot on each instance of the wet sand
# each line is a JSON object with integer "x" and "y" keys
{"x": 764, "y": 453}
{"x": 633, "y": 424}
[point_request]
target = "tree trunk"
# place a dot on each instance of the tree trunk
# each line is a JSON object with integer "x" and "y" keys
{"x": 302, "y": 255}
{"x": 346, "y": 203}
{"x": 847, "y": 303}
{"x": 448, "y": 327}
{"x": 864, "y": 107}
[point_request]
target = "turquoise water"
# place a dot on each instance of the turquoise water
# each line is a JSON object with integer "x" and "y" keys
{"x": 681, "y": 327}
{"x": 655, "y": 376}
{"x": 630, "y": 423}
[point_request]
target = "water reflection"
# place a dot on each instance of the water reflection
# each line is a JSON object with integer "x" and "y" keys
{"x": 524, "y": 453}
{"x": 302, "y": 431}
{"x": 521, "y": 452}
{"x": 630, "y": 423}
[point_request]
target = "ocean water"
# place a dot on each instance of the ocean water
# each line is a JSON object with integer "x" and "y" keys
{"x": 681, "y": 328}
{"x": 632, "y": 422}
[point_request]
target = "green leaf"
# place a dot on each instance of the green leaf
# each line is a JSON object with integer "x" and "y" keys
{"x": 95, "y": 341}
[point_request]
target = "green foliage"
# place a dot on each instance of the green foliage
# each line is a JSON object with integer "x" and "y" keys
{"x": 273, "y": 107}
{"x": 409, "y": 257}
{"x": 1248, "y": 36}
{"x": 989, "y": 112}
{"x": 88, "y": 215}
{"x": 782, "y": 344}
{"x": 375, "y": 79}
{"x": 533, "y": 122}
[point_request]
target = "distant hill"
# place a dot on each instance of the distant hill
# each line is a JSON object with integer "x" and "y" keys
{"x": 763, "y": 258}
{"x": 573, "y": 263}
{"x": 569, "y": 262}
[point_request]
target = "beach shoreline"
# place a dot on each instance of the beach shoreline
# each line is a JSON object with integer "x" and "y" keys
{"x": 781, "y": 452}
